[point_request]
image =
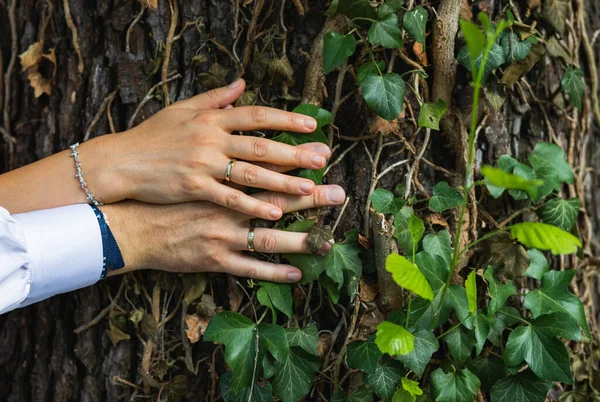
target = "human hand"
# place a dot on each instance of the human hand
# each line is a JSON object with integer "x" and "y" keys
{"x": 181, "y": 154}
{"x": 202, "y": 236}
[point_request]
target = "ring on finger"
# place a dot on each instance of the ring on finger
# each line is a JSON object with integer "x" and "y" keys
{"x": 251, "y": 239}
{"x": 229, "y": 169}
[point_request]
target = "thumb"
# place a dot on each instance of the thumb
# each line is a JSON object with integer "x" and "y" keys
{"x": 219, "y": 97}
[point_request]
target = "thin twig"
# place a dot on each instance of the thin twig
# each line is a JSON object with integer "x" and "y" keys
{"x": 339, "y": 218}
{"x": 339, "y": 159}
{"x": 102, "y": 313}
{"x": 174, "y": 7}
{"x": 591, "y": 59}
{"x": 390, "y": 168}
{"x": 73, "y": 29}
{"x": 131, "y": 26}
{"x": 149, "y": 97}
{"x": 409, "y": 175}
{"x": 99, "y": 114}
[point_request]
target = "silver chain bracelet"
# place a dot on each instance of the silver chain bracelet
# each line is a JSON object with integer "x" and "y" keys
{"x": 79, "y": 175}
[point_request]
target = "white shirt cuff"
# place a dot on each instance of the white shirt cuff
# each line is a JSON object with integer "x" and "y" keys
{"x": 65, "y": 250}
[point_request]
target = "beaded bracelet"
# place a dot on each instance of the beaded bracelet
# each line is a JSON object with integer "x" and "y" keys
{"x": 79, "y": 175}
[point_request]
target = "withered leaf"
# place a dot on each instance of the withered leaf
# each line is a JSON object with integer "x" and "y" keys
{"x": 282, "y": 69}
{"x": 194, "y": 286}
{"x": 207, "y": 306}
{"x": 32, "y": 55}
{"x": 519, "y": 68}
{"x": 319, "y": 235}
{"x": 367, "y": 290}
{"x": 555, "y": 13}
{"x": 247, "y": 98}
{"x": 136, "y": 316}
{"x": 175, "y": 389}
{"x": 216, "y": 76}
{"x": 148, "y": 327}
{"x": 508, "y": 257}
{"x": 556, "y": 49}
{"x": 116, "y": 335}
{"x": 151, "y": 4}
{"x": 39, "y": 84}
{"x": 196, "y": 326}
{"x": 235, "y": 294}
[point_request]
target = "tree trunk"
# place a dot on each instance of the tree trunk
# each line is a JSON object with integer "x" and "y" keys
{"x": 124, "y": 50}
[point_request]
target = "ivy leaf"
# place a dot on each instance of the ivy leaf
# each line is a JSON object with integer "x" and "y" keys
{"x": 508, "y": 257}
{"x": 495, "y": 59}
{"x": 276, "y": 296}
{"x": 417, "y": 228}
{"x": 331, "y": 287}
{"x": 471, "y": 288}
{"x": 440, "y": 244}
{"x": 431, "y": 114}
{"x": 318, "y": 235}
{"x": 237, "y": 333}
{"x": 402, "y": 395}
{"x": 501, "y": 179}
{"x": 546, "y": 355}
{"x": 311, "y": 265}
{"x": 457, "y": 299}
{"x": 434, "y": 268}
{"x": 384, "y": 94}
{"x": 369, "y": 68}
{"x": 356, "y": 8}
{"x": 550, "y": 164}
{"x": 558, "y": 324}
{"x": 461, "y": 385}
{"x": 538, "y": 265}
{"x": 514, "y": 49}
{"x": 489, "y": 369}
{"x": 273, "y": 338}
{"x": 523, "y": 387}
{"x": 294, "y": 378}
{"x": 363, "y": 355}
{"x": 259, "y": 393}
{"x": 444, "y": 197}
{"x": 336, "y": 49}
{"x": 407, "y": 275}
{"x": 306, "y": 338}
{"x": 297, "y": 139}
{"x": 572, "y": 83}
{"x": 394, "y": 339}
{"x": 460, "y": 342}
{"x": 391, "y": 6}
{"x": 384, "y": 201}
{"x": 385, "y": 378}
{"x": 411, "y": 386}
{"x": 553, "y": 296}
{"x": 414, "y": 22}
{"x": 499, "y": 292}
{"x": 361, "y": 394}
{"x": 545, "y": 237}
{"x": 505, "y": 319}
{"x": 560, "y": 212}
{"x": 474, "y": 37}
{"x": 481, "y": 324}
{"x": 386, "y": 32}
{"x": 555, "y": 13}
{"x": 343, "y": 257}
{"x": 322, "y": 116}
{"x": 402, "y": 226}
{"x": 426, "y": 344}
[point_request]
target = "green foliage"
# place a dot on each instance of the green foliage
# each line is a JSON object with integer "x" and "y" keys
{"x": 514, "y": 49}
{"x": 384, "y": 94}
{"x": 426, "y": 344}
{"x": 454, "y": 386}
{"x": 524, "y": 387}
{"x": 364, "y": 355}
{"x": 276, "y": 296}
{"x": 460, "y": 342}
{"x": 471, "y": 287}
{"x": 444, "y": 197}
{"x": 489, "y": 369}
{"x": 344, "y": 266}
{"x": 293, "y": 379}
{"x": 385, "y": 32}
{"x": 305, "y": 338}
{"x": 501, "y": 179}
{"x": 385, "y": 378}
{"x": 545, "y": 237}
{"x": 356, "y": 8}
{"x": 385, "y": 202}
{"x": 407, "y": 275}
{"x": 361, "y": 394}
{"x": 572, "y": 84}
{"x": 494, "y": 60}
{"x": 336, "y": 49}
{"x": 431, "y": 114}
{"x": 414, "y": 22}
{"x": 560, "y": 212}
{"x": 538, "y": 264}
{"x": 259, "y": 393}
{"x": 499, "y": 292}
{"x": 394, "y": 339}
{"x": 369, "y": 68}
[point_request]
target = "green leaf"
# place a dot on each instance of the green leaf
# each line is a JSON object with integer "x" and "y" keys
{"x": 457, "y": 299}
{"x": 550, "y": 164}
{"x": 384, "y": 94}
{"x": 237, "y": 333}
{"x": 558, "y": 324}
{"x": 538, "y": 265}
{"x": 311, "y": 265}
{"x": 417, "y": 228}
{"x": 411, "y": 386}
{"x": 294, "y": 378}
{"x": 385, "y": 378}
{"x": 460, "y": 342}
{"x": 343, "y": 257}
{"x": 394, "y": 339}
{"x": 523, "y": 387}
{"x": 363, "y": 355}
{"x": 259, "y": 393}
{"x": 481, "y": 324}
{"x": 461, "y": 385}
{"x": 500, "y": 178}
{"x": 402, "y": 226}
{"x": 514, "y": 49}
{"x": 369, "y": 68}
{"x": 402, "y": 395}
{"x": 489, "y": 369}
{"x": 499, "y": 291}
{"x": 495, "y": 59}
{"x": 545, "y": 237}
{"x": 297, "y": 139}
{"x": 474, "y": 37}
{"x": 501, "y": 322}
{"x": 385, "y": 32}
{"x": 276, "y": 295}
{"x": 306, "y": 338}
{"x": 331, "y": 287}
{"x": 356, "y": 8}
{"x": 440, "y": 244}
{"x": 444, "y": 197}
{"x": 560, "y": 212}
{"x": 391, "y": 6}
{"x": 361, "y": 394}
{"x": 545, "y": 354}
{"x": 408, "y": 276}
{"x": 384, "y": 201}
{"x": 272, "y": 338}
{"x": 426, "y": 344}
{"x": 434, "y": 268}
{"x": 336, "y": 49}
{"x": 471, "y": 288}
{"x": 553, "y": 296}
{"x": 431, "y": 114}
{"x": 322, "y": 116}
{"x": 414, "y": 23}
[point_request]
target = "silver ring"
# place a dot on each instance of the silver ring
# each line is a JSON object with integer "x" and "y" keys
{"x": 229, "y": 169}
{"x": 251, "y": 239}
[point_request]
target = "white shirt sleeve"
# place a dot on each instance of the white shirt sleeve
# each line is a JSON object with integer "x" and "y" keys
{"x": 44, "y": 253}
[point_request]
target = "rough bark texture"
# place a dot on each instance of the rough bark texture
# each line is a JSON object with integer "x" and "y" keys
{"x": 41, "y": 358}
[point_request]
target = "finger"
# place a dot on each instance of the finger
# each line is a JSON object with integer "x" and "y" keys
{"x": 322, "y": 196}
{"x": 249, "y": 267}
{"x": 254, "y": 176}
{"x": 276, "y": 241}
{"x": 217, "y": 98}
{"x": 230, "y": 106}
{"x": 238, "y": 201}
{"x": 248, "y": 118}
{"x": 263, "y": 150}
{"x": 317, "y": 147}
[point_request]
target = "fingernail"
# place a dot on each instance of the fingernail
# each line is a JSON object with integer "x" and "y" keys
{"x": 294, "y": 276}
{"x": 321, "y": 149}
{"x": 318, "y": 160}
{"x": 235, "y": 83}
{"x": 310, "y": 123}
{"x": 336, "y": 195}
{"x": 275, "y": 213}
{"x": 306, "y": 187}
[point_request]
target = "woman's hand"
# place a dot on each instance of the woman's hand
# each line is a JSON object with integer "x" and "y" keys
{"x": 201, "y": 236}
{"x": 181, "y": 154}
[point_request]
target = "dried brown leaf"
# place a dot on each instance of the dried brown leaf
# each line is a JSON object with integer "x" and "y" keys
{"x": 319, "y": 235}
{"x": 383, "y": 126}
{"x": 194, "y": 286}
{"x": 324, "y": 344}
{"x": 282, "y": 69}
{"x": 196, "y": 326}
{"x": 151, "y": 4}
{"x": 115, "y": 334}
{"x": 367, "y": 290}
{"x": 555, "y": 13}
{"x": 235, "y": 294}
{"x": 436, "y": 219}
{"x": 39, "y": 84}
{"x": 421, "y": 54}
{"x": 369, "y": 321}
{"x": 509, "y": 259}
{"x": 519, "y": 68}
{"x": 32, "y": 55}
{"x": 465, "y": 10}
{"x": 207, "y": 306}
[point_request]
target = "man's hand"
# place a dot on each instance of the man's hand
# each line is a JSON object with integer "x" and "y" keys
{"x": 201, "y": 236}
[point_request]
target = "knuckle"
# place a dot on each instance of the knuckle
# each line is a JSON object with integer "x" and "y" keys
{"x": 260, "y": 147}
{"x": 251, "y": 175}
{"x": 233, "y": 200}
{"x": 190, "y": 184}
{"x": 299, "y": 155}
{"x": 259, "y": 115}
{"x": 205, "y": 118}
{"x": 213, "y": 94}
{"x": 252, "y": 272}
{"x": 270, "y": 243}
{"x": 288, "y": 184}
{"x": 279, "y": 200}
